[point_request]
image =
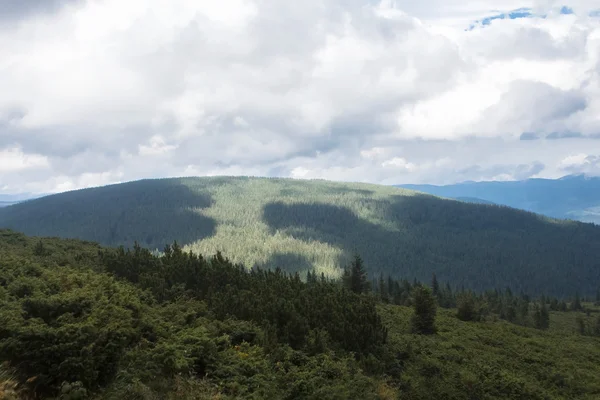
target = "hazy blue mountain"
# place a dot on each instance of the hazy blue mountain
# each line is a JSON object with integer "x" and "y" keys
{"x": 571, "y": 197}
{"x": 9, "y": 199}
{"x": 474, "y": 200}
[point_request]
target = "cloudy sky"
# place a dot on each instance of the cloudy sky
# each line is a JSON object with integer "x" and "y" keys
{"x": 437, "y": 91}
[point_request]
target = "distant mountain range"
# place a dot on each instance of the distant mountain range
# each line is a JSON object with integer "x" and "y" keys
{"x": 574, "y": 197}
{"x": 10, "y": 199}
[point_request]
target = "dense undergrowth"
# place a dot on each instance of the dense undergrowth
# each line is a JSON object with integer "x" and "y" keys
{"x": 80, "y": 321}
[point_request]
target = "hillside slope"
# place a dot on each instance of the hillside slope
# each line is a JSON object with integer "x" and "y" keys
{"x": 298, "y": 225}
{"x": 572, "y": 197}
{"x": 94, "y": 323}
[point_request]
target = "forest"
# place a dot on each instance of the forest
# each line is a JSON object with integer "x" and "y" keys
{"x": 301, "y": 226}
{"x": 78, "y": 320}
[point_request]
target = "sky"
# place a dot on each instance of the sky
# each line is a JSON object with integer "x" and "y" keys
{"x": 94, "y": 92}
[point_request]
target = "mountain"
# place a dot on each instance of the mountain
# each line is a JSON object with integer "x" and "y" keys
{"x": 574, "y": 197}
{"x": 301, "y": 225}
{"x": 10, "y": 199}
{"x": 474, "y": 200}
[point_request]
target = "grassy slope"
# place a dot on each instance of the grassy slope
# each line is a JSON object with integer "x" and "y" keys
{"x": 317, "y": 224}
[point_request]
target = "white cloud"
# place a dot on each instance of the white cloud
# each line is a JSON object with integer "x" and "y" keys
{"x": 106, "y": 90}
{"x": 13, "y": 160}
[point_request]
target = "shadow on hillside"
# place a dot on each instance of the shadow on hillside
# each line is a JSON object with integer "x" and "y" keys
{"x": 288, "y": 262}
{"x": 478, "y": 246}
{"x": 152, "y": 212}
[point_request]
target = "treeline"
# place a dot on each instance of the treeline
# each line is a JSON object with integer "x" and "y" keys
{"x": 289, "y": 310}
{"x": 519, "y": 309}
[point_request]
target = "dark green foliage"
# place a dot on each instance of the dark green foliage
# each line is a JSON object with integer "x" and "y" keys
{"x": 425, "y": 308}
{"x": 435, "y": 287}
{"x": 467, "y": 308}
{"x": 84, "y": 322}
{"x": 576, "y": 304}
{"x": 152, "y": 212}
{"x": 357, "y": 276}
{"x": 285, "y": 303}
{"x": 70, "y": 329}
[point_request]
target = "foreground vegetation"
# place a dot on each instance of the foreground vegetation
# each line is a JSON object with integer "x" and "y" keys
{"x": 306, "y": 225}
{"x": 80, "y": 321}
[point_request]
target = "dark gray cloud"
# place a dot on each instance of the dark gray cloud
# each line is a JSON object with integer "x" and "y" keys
{"x": 16, "y": 10}
{"x": 564, "y": 135}
{"x": 529, "y": 136}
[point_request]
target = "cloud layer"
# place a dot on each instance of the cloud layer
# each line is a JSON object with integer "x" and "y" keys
{"x": 94, "y": 92}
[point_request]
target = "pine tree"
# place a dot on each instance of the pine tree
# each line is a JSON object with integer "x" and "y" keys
{"x": 358, "y": 276}
{"x": 39, "y": 249}
{"x": 466, "y": 307}
{"x": 576, "y": 305}
{"x": 425, "y": 308}
{"x": 541, "y": 317}
{"x": 435, "y": 286}
{"x": 383, "y": 293}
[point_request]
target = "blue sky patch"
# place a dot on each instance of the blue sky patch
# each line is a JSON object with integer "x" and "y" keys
{"x": 524, "y": 12}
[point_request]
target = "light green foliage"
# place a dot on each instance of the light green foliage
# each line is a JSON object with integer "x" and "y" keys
{"x": 303, "y": 225}
{"x": 489, "y": 360}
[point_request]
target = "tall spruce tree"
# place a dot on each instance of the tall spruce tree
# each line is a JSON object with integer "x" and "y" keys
{"x": 435, "y": 286}
{"x": 425, "y": 308}
{"x": 358, "y": 275}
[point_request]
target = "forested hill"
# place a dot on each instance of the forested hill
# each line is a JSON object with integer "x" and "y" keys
{"x": 299, "y": 225}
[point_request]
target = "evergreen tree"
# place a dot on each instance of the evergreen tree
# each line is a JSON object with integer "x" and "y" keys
{"x": 576, "y": 305}
{"x": 383, "y": 293}
{"x": 425, "y": 308}
{"x": 435, "y": 286}
{"x": 466, "y": 307}
{"x": 40, "y": 249}
{"x": 358, "y": 276}
{"x": 541, "y": 317}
